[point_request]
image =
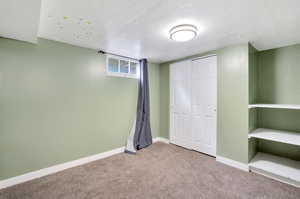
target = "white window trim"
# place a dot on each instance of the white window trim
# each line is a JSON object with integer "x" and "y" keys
{"x": 119, "y": 74}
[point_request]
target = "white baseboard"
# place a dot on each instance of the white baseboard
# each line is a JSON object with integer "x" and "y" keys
{"x": 233, "y": 163}
{"x": 56, "y": 168}
{"x": 161, "y": 139}
{"x": 60, "y": 167}
{"x": 275, "y": 177}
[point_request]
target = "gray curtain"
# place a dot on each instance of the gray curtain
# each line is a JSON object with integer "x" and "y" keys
{"x": 140, "y": 134}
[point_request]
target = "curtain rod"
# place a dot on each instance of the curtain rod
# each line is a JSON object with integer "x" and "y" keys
{"x": 103, "y": 52}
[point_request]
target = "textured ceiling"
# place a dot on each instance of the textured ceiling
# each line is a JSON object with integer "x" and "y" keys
{"x": 139, "y": 28}
{"x": 19, "y": 19}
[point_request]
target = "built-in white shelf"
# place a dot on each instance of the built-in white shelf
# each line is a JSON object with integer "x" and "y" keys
{"x": 279, "y": 168}
{"x": 280, "y": 106}
{"x": 287, "y": 137}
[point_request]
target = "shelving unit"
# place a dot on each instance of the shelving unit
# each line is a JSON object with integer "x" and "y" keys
{"x": 279, "y": 106}
{"x": 287, "y": 137}
{"x": 263, "y": 87}
{"x": 275, "y": 167}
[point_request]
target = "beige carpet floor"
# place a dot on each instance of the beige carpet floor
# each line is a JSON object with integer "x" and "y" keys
{"x": 160, "y": 171}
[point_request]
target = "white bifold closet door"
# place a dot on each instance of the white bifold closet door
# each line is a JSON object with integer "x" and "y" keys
{"x": 193, "y": 101}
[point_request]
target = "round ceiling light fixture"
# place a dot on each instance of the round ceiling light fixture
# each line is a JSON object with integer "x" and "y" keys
{"x": 183, "y": 32}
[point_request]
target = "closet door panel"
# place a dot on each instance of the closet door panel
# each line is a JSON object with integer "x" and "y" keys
{"x": 204, "y": 95}
{"x": 180, "y": 106}
{"x": 193, "y": 102}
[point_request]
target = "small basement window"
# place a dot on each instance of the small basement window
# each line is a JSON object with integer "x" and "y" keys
{"x": 122, "y": 67}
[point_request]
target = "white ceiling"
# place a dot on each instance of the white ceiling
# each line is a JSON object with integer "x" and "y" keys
{"x": 139, "y": 28}
{"x": 19, "y": 19}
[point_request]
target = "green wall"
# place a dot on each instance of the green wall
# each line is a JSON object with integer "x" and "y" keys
{"x": 279, "y": 71}
{"x": 278, "y": 82}
{"x": 232, "y": 101}
{"x": 233, "y": 91}
{"x": 253, "y": 95}
{"x": 57, "y": 105}
{"x": 164, "y": 100}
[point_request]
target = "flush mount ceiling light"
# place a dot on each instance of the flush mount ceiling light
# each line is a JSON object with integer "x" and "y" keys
{"x": 183, "y": 32}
